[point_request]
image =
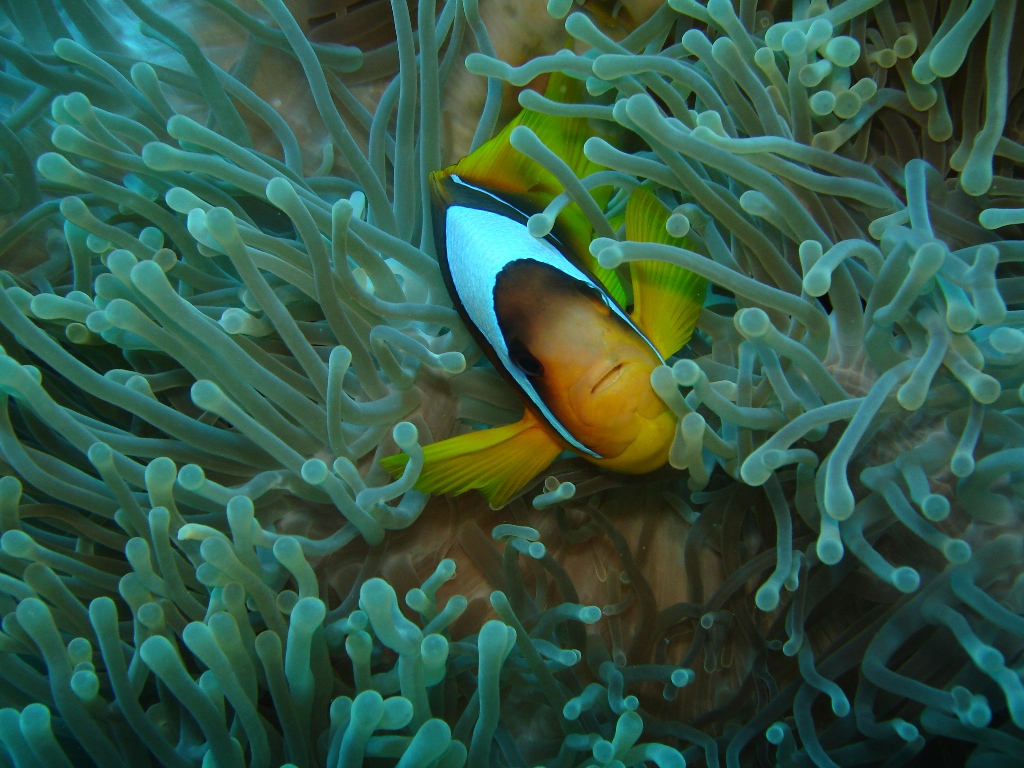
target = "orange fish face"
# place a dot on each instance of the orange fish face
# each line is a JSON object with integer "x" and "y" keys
{"x": 590, "y": 367}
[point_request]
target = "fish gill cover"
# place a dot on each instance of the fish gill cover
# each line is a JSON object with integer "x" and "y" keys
{"x": 220, "y": 306}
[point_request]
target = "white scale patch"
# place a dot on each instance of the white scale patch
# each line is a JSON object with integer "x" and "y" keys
{"x": 482, "y": 243}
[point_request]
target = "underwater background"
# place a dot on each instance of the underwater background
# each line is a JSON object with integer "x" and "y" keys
{"x": 221, "y": 305}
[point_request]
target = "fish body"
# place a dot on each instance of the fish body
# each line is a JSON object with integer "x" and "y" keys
{"x": 551, "y": 320}
{"x": 573, "y": 354}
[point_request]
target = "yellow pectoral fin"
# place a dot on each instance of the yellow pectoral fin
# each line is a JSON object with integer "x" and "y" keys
{"x": 498, "y": 461}
{"x": 666, "y": 298}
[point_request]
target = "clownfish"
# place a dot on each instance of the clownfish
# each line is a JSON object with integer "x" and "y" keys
{"x": 550, "y": 318}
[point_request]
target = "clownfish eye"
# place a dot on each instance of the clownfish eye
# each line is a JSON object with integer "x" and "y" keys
{"x": 523, "y": 360}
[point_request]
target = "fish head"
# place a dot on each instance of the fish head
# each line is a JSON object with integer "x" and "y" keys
{"x": 590, "y": 366}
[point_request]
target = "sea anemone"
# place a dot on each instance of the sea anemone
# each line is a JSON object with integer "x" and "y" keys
{"x": 221, "y": 306}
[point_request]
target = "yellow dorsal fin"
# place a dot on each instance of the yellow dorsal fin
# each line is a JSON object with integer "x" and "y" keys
{"x": 496, "y": 165}
{"x": 612, "y": 16}
{"x": 666, "y": 298}
{"x": 498, "y": 461}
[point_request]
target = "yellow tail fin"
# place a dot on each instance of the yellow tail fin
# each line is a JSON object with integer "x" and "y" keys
{"x": 666, "y": 298}
{"x": 498, "y": 461}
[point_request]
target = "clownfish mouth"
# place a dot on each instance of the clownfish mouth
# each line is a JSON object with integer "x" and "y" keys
{"x": 609, "y": 378}
{"x": 612, "y": 370}
{"x": 606, "y": 391}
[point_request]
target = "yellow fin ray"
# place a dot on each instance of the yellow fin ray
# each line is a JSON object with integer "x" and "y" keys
{"x": 666, "y": 298}
{"x": 496, "y": 165}
{"x": 498, "y": 461}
